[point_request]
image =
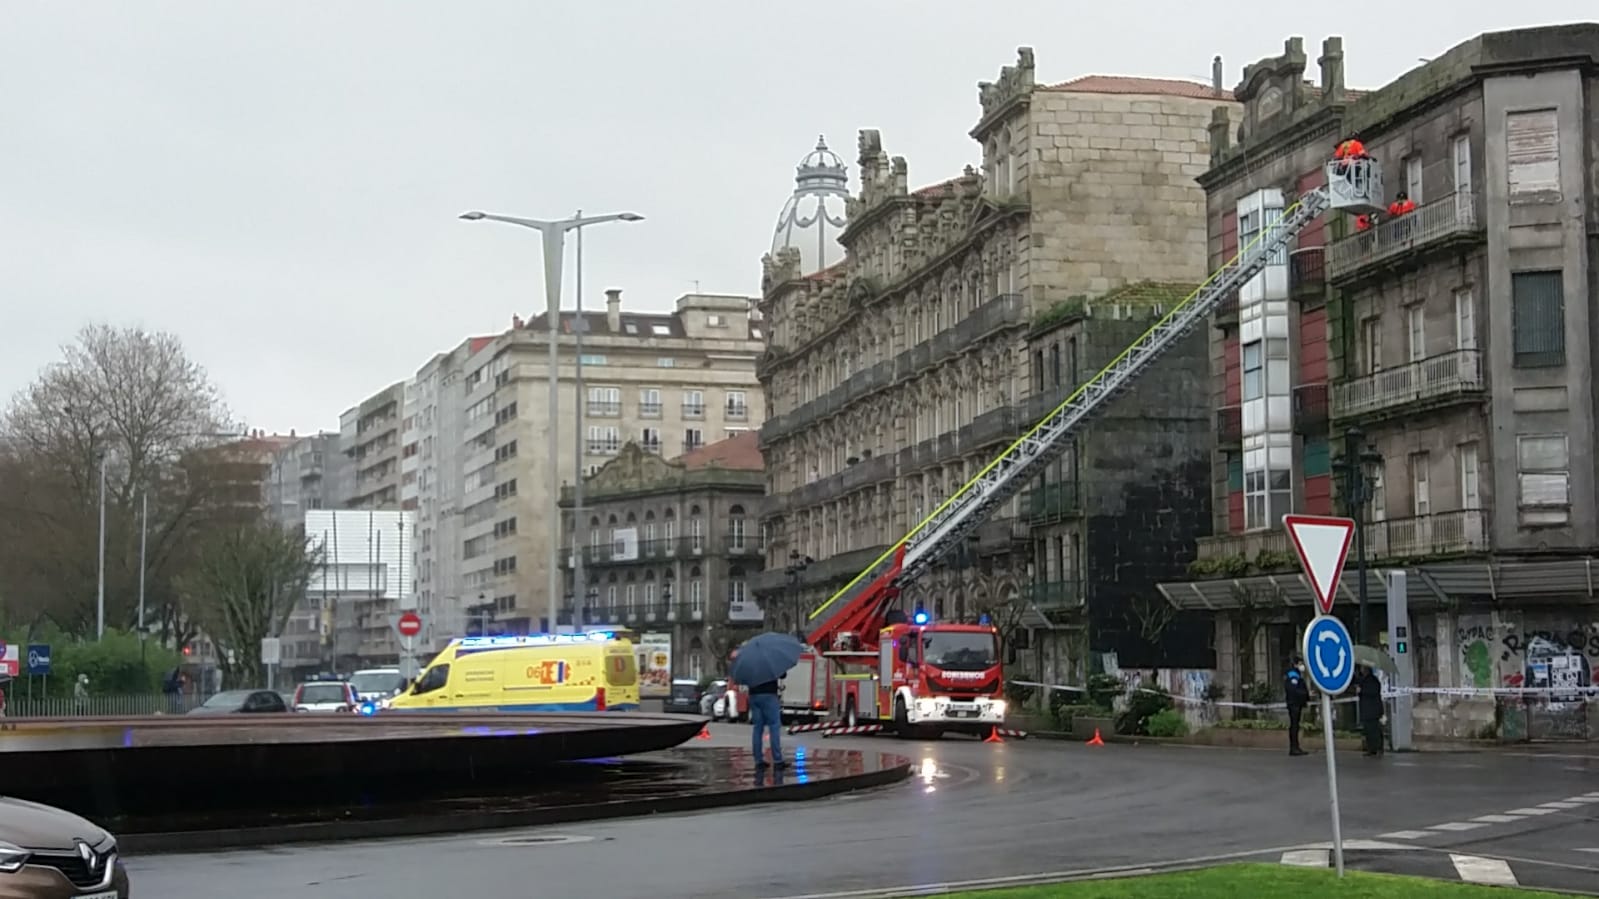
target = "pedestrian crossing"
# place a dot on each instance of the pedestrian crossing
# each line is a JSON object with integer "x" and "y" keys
{"x": 1478, "y": 869}
{"x": 1584, "y": 802}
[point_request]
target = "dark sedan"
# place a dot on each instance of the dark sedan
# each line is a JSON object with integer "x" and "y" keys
{"x": 234, "y": 702}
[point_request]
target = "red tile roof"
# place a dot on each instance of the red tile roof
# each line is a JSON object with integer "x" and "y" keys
{"x": 1122, "y": 84}
{"x": 742, "y": 452}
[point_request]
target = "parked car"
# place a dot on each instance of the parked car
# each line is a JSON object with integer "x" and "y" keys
{"x": 684, "y": 698}
{"x": 325, "y": 696}
{"x": 377, "y": 684}
{"x": 47, "y": 853}
{"x": 231, "y": 702}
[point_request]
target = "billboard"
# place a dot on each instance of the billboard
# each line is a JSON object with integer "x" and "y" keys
{"x": 654, "y": 651}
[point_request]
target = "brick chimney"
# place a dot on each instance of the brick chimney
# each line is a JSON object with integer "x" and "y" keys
{"x": 613, "y": 309}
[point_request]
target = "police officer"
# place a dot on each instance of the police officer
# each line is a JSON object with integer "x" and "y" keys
{"x": 1297, "y": 695}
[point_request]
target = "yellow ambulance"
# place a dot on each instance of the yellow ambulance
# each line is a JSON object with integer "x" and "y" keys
{"x": 590, "y": 672}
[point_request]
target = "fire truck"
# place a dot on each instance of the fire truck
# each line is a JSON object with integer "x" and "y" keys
{"x": 923, "y": 677}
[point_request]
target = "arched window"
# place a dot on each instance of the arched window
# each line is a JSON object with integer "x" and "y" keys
{"x": 735, "y": 528}
{"x": 696, "y": 530}
{"x": 737, "y": 592}
{"x": 595, "y": 536}
{"x": 696, "y": 593}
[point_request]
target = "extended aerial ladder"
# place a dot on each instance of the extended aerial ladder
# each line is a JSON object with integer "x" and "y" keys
{"x": 861, "y": 606}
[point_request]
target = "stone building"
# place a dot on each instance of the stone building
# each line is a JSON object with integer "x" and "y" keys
{"x": 307, "y": 474}
{"x": 899, "y": 372}
{"x": 670, "y": 382}
{"x": 1121, "y": 509}
{"x": 1454, "y": 341}
{"x": 370, "y": 437}
{"x": 670, "y": 546}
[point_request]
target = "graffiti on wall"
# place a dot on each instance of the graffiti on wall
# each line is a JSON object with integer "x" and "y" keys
{"x": 1491, "y": 657}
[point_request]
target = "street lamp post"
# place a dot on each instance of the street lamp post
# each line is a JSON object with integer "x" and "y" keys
{"x": 99, "y": 600}
{"x": 1360, "y": 460}
{"x": 553, "y": 235}
{"x": 796, "y": 567}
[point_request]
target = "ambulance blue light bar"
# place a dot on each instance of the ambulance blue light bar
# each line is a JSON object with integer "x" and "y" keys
{"x": 534, "y": 640}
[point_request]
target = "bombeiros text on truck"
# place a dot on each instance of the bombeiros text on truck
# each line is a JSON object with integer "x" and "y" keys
{"x": 868, "y": 663}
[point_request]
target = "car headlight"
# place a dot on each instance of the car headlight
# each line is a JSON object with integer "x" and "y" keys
{"x": 999, "y": 707}
{"x": 12, "y": 858}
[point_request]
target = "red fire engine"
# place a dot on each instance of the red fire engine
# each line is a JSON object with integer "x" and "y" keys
{"x": 928, "y": 677}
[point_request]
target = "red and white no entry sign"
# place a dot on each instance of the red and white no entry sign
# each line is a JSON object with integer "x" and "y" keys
{"x": 409, "y": 625}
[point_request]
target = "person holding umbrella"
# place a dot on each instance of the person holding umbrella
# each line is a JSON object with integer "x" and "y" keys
{"x": 761, "y": 662}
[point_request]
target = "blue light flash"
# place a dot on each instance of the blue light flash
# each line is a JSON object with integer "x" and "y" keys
{"x": 921, "y": 617}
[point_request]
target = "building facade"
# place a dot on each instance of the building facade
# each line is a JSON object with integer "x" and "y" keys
{"x": 670, "y": 546}
{"x": 671, "y": 382}
{"x": 357, "y": 589}
{"x": 1430, "y": 376}
{"x": 370, "y": 436}
{"x": 897, "y": 374}
{"x": 306, "y": 475}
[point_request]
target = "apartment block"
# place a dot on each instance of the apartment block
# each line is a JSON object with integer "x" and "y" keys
{"x": 1430, "y": 375}
{"x": 370, "y": 436}
{"x": 307, "y": 474}
{"x": 669, "y": 546}
{"x": 897, "y": 373}
{"x": 670, "y": 382}
{"x": 358, "y": 587}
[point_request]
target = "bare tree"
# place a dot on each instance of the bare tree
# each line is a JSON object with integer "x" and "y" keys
{"x": 135, "y": 399}
{"x": 246, "y": 580}
{"x": 1151, "y": 617}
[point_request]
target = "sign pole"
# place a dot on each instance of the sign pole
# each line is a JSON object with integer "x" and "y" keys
{"x": 1332, "y": 782}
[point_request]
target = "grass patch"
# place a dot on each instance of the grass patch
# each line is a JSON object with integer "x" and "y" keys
{"x": 1259, "y": 882}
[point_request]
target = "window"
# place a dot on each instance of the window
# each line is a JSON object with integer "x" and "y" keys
{"x": 665, "y": 362}
{"x": 1543, "y": 479}
{"x": 693, "y": 404}
{"x": 1255, "y": 500}
{"x": 1254, "y": 372}
{"x": 1532, "y": 156}
{"x": 505, "y": 489}
{"x": 1371, "y": 344}
{"x": 1248, "y": 228}
{"x": 1420, "y": 486}
{"x": 737, "y": 405}
{"x": 735, "y": 529}
{"x": 649, "y": 402}
{"x": 715, "y": 321}
{"x": 506, "y": 565}
{"x": 693, "y": 438}
{"x": 649, "y": 596}
{"x": 610, "y": 597}
{"x": 1416, "y": 322}
{"x": 650, "y": 438}
{"x": 588, "y": 359}
{"x": 604, "y": 440}
{"x": 606, "y": 401}
{"x": 504, "y": 451}
{"x": 1379, "y": 495}
{"x": 661, "y": 330}
{"x": 696, "y": 596}
{"x": 1413, "y": 179}
{"x": 735, "y": 587}
{"x": 696, "y": 535}
{"x": 630, "y": 600}
{"x": 1470, "y": 477}
{"x": 506, "y": 414}
{"x": 1461, "y": 150}
{"x": 1465, "y": 320}
{"x": 1538, "y": 319}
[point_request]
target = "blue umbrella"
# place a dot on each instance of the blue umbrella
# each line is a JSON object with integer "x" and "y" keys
{"x": 765, "y": 658}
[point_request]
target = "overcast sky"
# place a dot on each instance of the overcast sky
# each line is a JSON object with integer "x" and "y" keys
{"x": 278, "y": 182}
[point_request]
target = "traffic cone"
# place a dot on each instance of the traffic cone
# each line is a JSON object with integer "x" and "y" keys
{"x": 993, "y": 736}
{"x": 1097, "y": 740}
{"x": 705, "y": 732}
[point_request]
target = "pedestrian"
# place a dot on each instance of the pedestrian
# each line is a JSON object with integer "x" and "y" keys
{"x": 766, "y": 714}
{"x": 1401, "y": 205}
{"x": 1297, "y": 694}
{"x": 2, "y": 701}
{"x": 80, "y": 694}
{"x": 1369, "y": 708}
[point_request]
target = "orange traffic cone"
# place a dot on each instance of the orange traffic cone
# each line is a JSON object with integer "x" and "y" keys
{"x": 1096, "y": 741}
{"x": 705, "y": 732}
{"x": 993, "y": 736}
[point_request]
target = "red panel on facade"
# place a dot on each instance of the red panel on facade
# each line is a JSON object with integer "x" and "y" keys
{"x": 1229, "y": 239}
{"x": 1313, "y": 346}
{"x": 1318, "y": 496}
{"x": 1314, "y": 234}
{"x": 1232, "y": 387}
{"x": 1235, "y": 511}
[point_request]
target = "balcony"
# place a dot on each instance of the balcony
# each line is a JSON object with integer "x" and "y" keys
{"x": 1000, "y": 425}
{"x": 649, "y": 410}
{"x": 1230, "y": 427}
{"x": 1053, "y": 502}
{"x": 1393, "y": 240}
{"x": 1310, "y": 410}
{"x": 1450, "y": 377}
{"x": 1307, "y": 274}
{"x": 1249, "y": 545}
{"x": 742, "y": 545}
{"x": 690, "y": 444}
{"x": 1439, "y": 534}
{"x": 604, "y": 408}
{"x": 693, "y": 410}
{"x": 736, "y": 412}
{"x": 605, "y": 446}
{"x": 863, "y": 473}
{"x": 1053, "y": 595}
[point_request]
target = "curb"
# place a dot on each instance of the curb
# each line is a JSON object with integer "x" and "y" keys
{"x": 157, "y": 843}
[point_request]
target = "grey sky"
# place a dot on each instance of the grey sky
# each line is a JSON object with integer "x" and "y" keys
{"x": 277, "y": 182}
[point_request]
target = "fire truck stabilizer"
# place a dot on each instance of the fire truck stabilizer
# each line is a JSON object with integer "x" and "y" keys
{"x": 880, "y": 667}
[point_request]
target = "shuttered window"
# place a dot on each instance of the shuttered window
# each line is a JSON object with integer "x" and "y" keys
{"x": 1538, "y": 316}
{"x": 1532, "y": 153}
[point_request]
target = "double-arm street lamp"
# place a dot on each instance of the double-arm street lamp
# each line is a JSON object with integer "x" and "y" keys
{"x": 796, "y": 567}
{"x": 1361, "y": 465}
{"x": 553, "y": 235}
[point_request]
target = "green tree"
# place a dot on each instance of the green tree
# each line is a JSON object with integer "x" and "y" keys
{"x": 245, "y": 582}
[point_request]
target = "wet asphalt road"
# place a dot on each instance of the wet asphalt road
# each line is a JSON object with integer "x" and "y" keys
{"x": 976, "y": 811}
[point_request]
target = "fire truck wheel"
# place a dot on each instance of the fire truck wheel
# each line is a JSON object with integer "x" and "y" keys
{"x": 902, "y": 717}
{"x": 849, "y": 713}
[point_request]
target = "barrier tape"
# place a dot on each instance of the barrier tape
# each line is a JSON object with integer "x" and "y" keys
{"x": 1558, "y": 694}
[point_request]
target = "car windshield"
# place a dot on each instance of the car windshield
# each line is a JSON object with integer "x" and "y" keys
{"x": 957, "y": 651}
{"x": 685, "y": 691}
{"x": 230, "y": 699}
{"x": 377, "y": 682}
{"x": 322, "y": 693}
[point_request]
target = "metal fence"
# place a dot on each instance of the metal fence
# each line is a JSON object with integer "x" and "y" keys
{"x": 22, "y": 706}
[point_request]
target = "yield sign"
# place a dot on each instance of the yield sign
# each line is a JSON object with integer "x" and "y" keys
{"x": 1322, "y": 544}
